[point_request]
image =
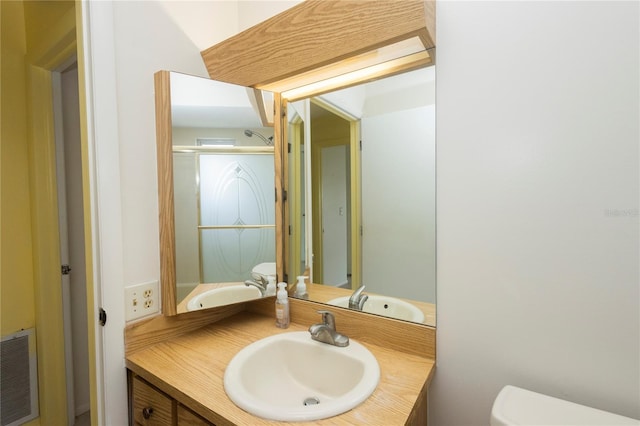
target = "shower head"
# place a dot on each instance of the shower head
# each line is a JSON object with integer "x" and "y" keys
{"x": 250, "y": 133}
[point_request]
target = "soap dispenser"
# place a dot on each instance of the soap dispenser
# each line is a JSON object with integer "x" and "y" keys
{"x": 271, "y": 286}
{"x": 282, "y": 306}
{"x": 301, "y": 288}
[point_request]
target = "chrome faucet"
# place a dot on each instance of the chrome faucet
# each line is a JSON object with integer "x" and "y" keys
{"x": 357, "y": 299}
{"x": 259, "y": 286}
{"x": 326, "y": 332}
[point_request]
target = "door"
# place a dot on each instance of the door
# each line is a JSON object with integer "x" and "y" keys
{"x": 72, "y": 248}
{"x": 335, "y": 214}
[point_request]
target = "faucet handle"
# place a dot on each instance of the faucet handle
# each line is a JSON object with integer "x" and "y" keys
{"x": 356, "y": 300}
{"x": 362, "y": 300}
{"x": 328, "y": 319}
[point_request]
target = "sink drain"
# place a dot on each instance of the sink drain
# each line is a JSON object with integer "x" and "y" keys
{"x": 311, "y": 401}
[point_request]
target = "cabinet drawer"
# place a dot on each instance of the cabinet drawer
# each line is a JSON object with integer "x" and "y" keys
{"x": 150, "y": 406}
{"x": 188, "y": 418}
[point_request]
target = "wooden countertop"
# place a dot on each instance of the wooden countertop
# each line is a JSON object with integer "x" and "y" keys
{"x": 190, "y": 368}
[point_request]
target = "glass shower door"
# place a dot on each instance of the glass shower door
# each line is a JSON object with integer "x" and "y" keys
{"x": 237, "y": 215}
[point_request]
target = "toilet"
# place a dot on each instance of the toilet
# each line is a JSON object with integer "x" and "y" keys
{"x": 261, "y": 271}
{"x": 515, "y": 406}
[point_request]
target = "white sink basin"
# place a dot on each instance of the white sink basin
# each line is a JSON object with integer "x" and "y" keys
{"x": 223, "y": 296}
{"x": 387, "y": 306}
{"x": 275, "y": 377}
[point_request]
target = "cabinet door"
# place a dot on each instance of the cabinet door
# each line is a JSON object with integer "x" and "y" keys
{"x": 188, "y": 418}
{"x": 150, "y": 406}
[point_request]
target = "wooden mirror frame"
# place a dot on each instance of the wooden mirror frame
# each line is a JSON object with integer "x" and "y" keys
{"x": 311, "y": 35}
{"x": 162, "y": 84}
{"x": 166, "y": 214}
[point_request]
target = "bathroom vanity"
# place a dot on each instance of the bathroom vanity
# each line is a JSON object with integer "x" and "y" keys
{"x": 176, "y": 376}
{"x": 176, "y": 362}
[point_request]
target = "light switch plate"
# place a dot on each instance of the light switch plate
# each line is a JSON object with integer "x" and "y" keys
{"x": 142, "y": 300}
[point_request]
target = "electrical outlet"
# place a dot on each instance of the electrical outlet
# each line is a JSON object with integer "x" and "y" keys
{"x": 141, "y": 300}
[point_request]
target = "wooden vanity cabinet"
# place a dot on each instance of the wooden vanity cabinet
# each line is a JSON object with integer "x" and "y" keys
{"x": 187, "y": 417}
{"x": 152, "y": 407}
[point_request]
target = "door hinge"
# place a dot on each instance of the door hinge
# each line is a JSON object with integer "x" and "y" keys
{"x": 65, "y": 269}
{"x": 288, "y": 148}
{"x": 102, "y": 317}
{"x": 360, "y": 144}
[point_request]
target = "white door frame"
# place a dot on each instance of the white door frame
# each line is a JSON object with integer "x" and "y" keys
{"x": 96, "y": 53}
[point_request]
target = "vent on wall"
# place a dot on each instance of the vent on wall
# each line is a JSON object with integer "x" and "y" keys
{"x": 19, "y": 378}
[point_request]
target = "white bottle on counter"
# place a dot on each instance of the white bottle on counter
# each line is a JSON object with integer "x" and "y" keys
{"x": 271, "y": 286}
{"x": 301, "y": 288}
{"x": 282, "y": 306}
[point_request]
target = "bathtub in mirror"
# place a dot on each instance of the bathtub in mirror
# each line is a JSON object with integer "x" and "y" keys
{"x": 361, "y": 188}
{"x": 216, "y": 180}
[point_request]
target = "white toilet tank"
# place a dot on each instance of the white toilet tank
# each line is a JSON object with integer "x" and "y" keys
{"x": 515, "y": 406}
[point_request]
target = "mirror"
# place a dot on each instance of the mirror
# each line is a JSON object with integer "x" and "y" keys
{"x": 361, "y": 202}
{"x": 216, "y": 169}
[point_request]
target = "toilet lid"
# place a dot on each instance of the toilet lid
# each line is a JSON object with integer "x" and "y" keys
{"x": 265, "y": 269}
{"x": 516, "y": 406}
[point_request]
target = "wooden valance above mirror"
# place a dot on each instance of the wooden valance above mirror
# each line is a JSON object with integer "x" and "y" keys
{"x": 323, "y": 34}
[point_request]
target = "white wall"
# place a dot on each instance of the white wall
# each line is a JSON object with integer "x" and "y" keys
{"x": 537, "y": 151}
{"x": 398, "y": 169}
{"x": 398, "y": 197}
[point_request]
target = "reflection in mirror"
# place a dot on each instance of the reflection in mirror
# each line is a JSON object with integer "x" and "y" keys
{"x": 296, "y": 253}
{"x": 223, "y": 192}
{"x": 371, "y": 196}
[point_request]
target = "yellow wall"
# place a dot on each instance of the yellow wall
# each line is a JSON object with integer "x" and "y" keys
{"x": 16, "y": 267}
{"x": 40, "y": 16}
{"x": 330, "y": 127}
{"x": 28, "y": 30}
{"x": 17, "y": 294}
{"x": 21, "y": 23}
